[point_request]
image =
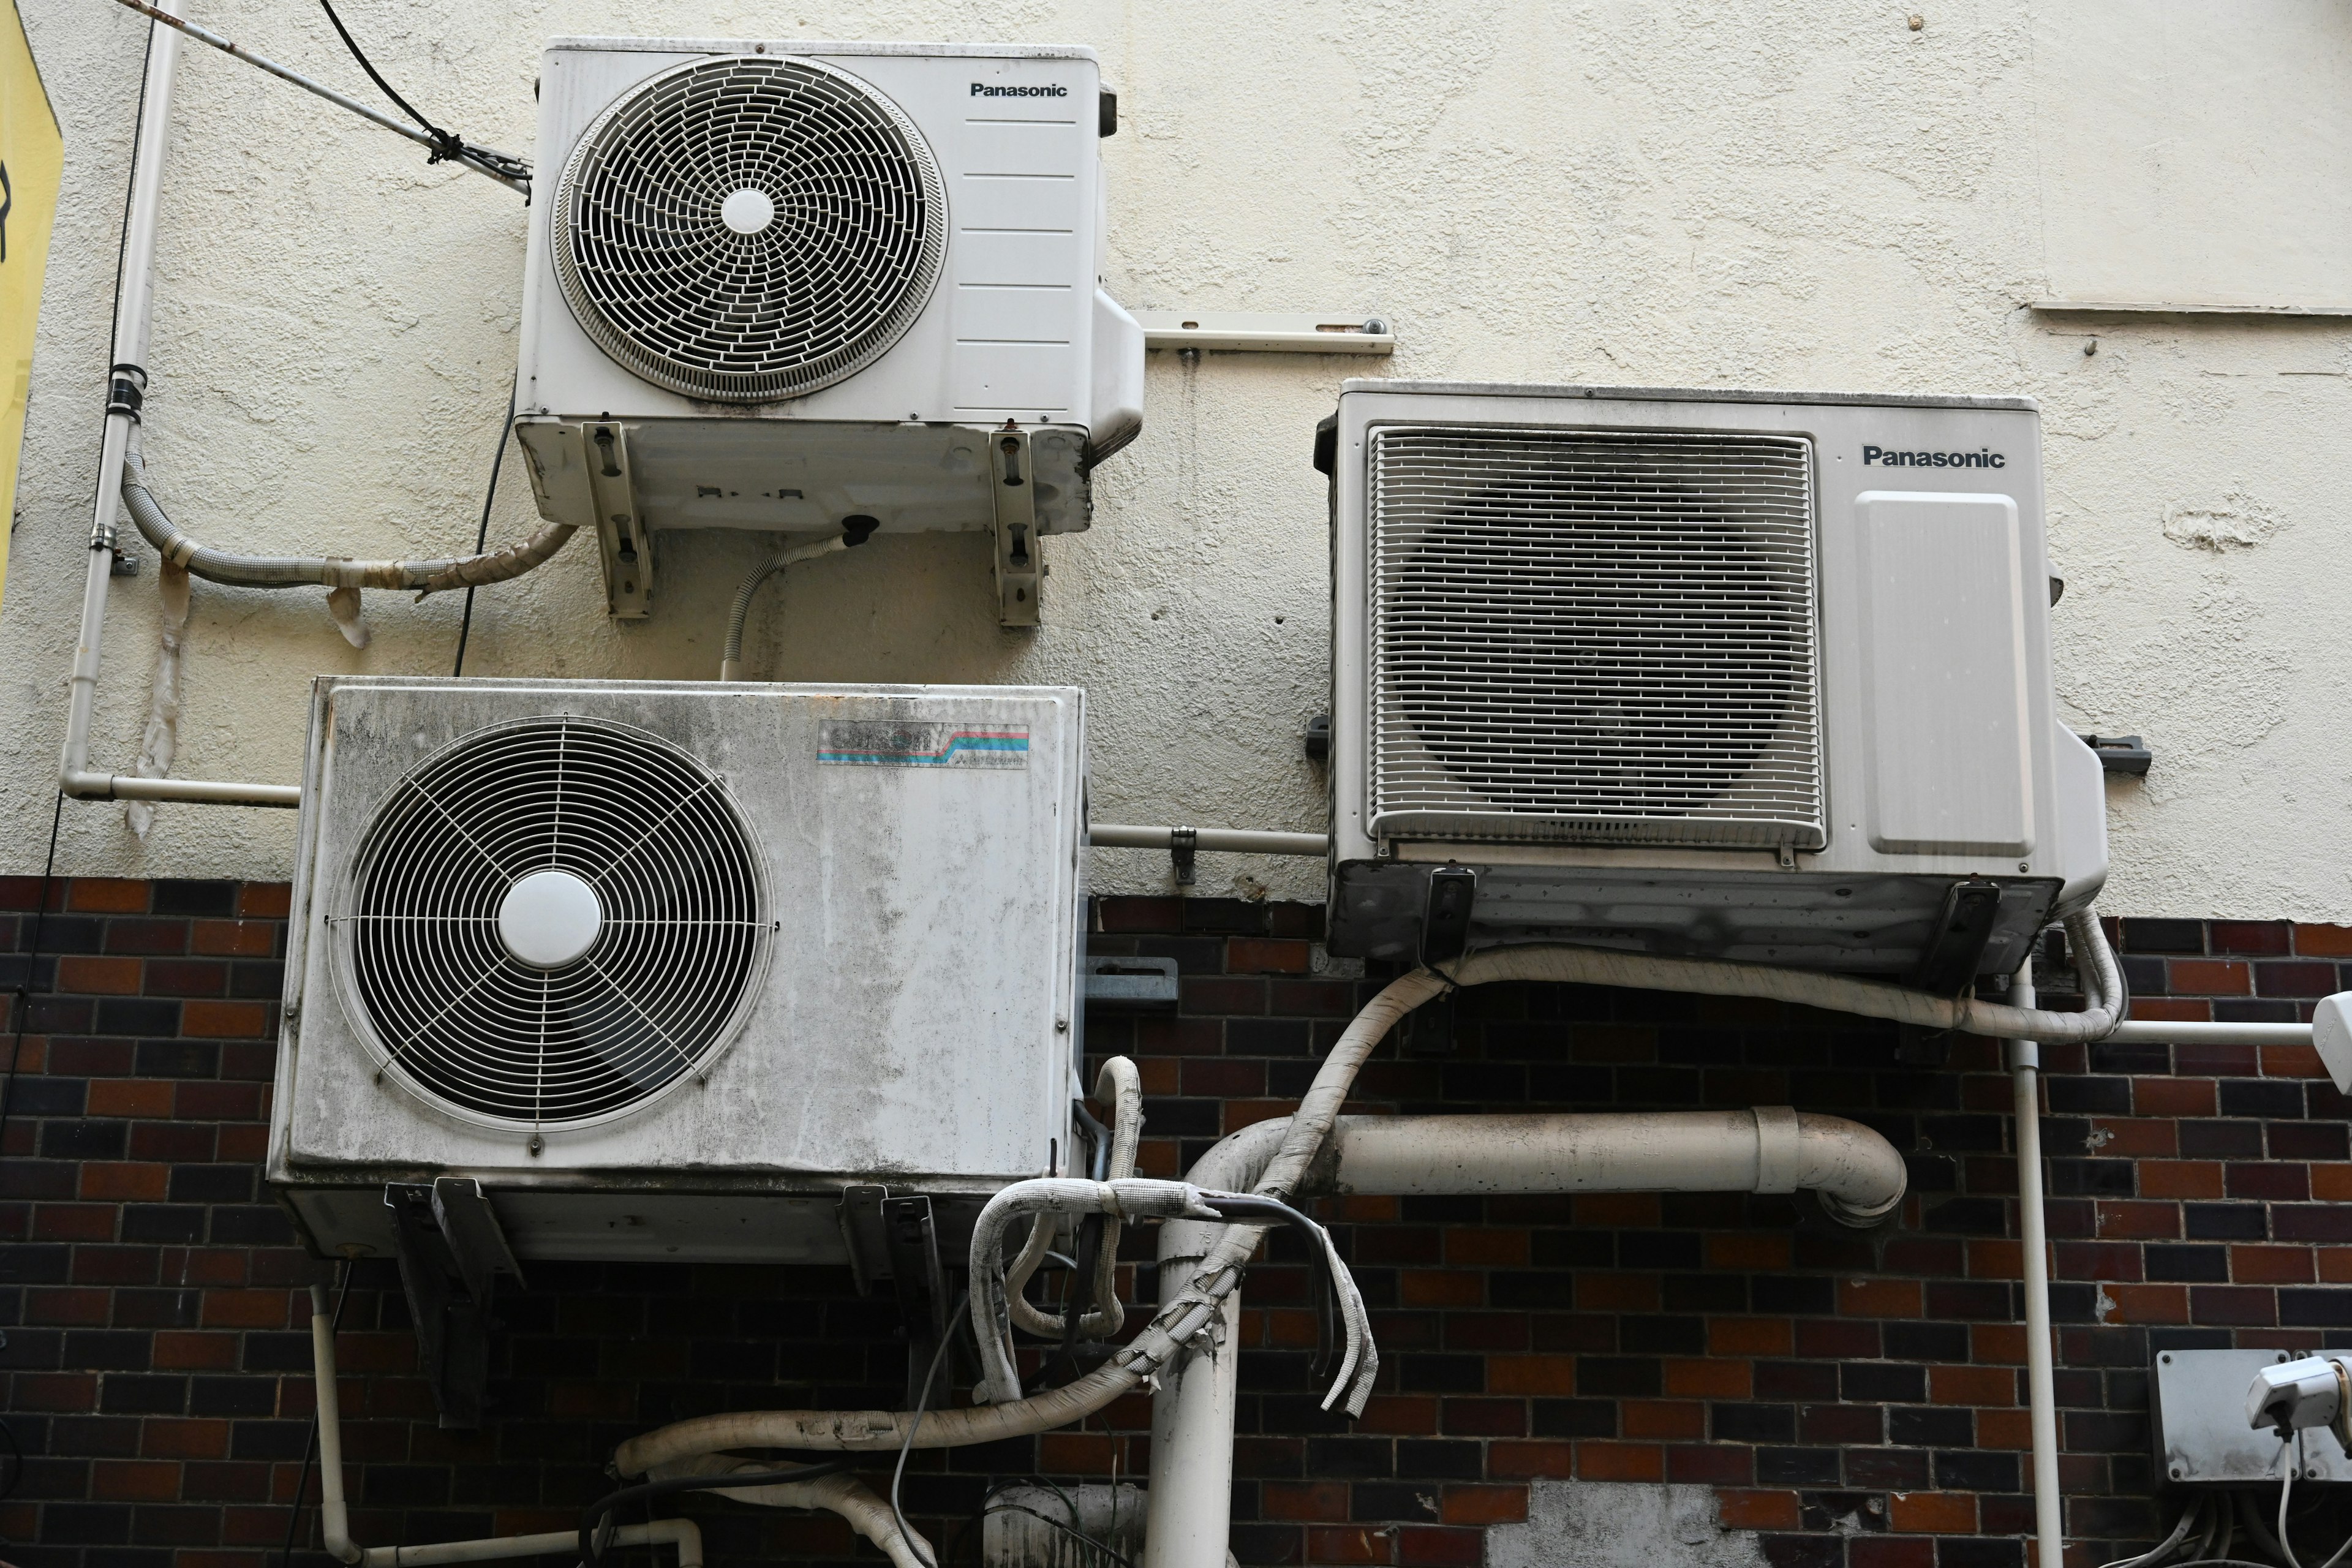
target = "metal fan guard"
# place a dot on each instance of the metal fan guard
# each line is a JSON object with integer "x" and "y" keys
{"x": 655, "y": 274}
{"x": 447, "y": 1012}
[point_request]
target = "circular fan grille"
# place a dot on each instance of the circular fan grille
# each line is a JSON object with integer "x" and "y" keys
{"x": 550, "y": 921}
{"x": 748, "y": 229}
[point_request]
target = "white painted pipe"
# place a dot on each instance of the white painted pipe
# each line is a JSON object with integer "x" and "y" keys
{"x": 1857, "y": 1173}
{"x": 1222, "y": 840}
{"x": 334, "y": 1513}
{"x": 2159, "y": 1032}
{"x": 133, "y": 312}
{"x": 2041, "y": 1393}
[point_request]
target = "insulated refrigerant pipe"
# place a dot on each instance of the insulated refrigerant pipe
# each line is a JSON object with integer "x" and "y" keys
{"x": 1857, "y": 1175}
{"x": 127, "y": 379}
{"x": 1196, "y": 1301}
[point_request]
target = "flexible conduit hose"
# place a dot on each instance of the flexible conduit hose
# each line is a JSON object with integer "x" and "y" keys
{"x": 330, "y": 570}
{"x": 1185, "y": 1313}
{"x": 1120, "y": 1086}
{"x": 855, "y": 530}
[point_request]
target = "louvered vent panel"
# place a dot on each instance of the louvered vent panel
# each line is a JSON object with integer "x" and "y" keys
{"x": 838, "y": 262}
{"x": 1596, "y": 637}
{"x": 680, "y": 940}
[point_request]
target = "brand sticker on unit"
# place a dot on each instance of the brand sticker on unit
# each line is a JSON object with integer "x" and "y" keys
{"x": 893, "y": 744}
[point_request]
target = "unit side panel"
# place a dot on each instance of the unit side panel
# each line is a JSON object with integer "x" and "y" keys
{"x": 1942, "y": 655}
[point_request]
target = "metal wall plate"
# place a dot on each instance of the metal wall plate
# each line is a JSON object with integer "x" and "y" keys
{"x": 2198, "y": 1413}
{"x": 1131, "y": 985}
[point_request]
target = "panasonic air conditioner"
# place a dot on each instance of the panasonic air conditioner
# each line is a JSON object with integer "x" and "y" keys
{"x": 788, "y": 287}
{"x": 1756, "y": 676}
{"x": 675, "y": 972}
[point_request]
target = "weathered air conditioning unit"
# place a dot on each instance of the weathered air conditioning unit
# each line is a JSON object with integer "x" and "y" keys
{"x": 1759, "y": 676}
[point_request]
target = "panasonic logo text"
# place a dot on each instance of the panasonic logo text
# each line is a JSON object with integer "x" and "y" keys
{"x": 983, "y": 89}
{"x": 1977, "y": 460}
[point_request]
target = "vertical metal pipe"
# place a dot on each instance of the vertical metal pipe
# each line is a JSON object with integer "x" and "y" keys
{"x": 2041, "y": 1400}
{"x": 1191, "y": 1501}
{"x": 133, "y": 307}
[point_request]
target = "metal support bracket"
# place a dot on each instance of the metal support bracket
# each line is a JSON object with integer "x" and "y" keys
{"x": 1184, "y": 846}
{"x": 628, "y": 552}
{"x": 863, "y": 1233}
{"x": 922, "y": 1283}
{"x": 1020, "y": 564}
{"x": 451, "y": 1250}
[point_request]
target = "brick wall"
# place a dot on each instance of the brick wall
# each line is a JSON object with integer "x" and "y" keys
{"x": 1859, "y": 1403}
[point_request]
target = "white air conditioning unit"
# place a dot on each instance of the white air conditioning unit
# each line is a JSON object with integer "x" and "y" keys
{"x": 776, "y": 286}
{"x": 1759, "y": 676}
{"x": 667, "y": 968}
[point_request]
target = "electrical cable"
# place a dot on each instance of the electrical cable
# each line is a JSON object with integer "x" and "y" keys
{"x": 482, "y": 534}
{"x": 311, "y": 1447}
{"x": 593, "y": 1537}
{"x": 1317, "y": 1260}
{"x": 446, "y": 143}
{"x": 2286, "y": 1491}
{"x": 922, "y": 1402}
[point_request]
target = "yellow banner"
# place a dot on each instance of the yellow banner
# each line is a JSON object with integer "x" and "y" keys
{"x": 32, "y": 157}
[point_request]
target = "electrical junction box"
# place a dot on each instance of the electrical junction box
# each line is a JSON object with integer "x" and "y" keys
{"x": 775, "y": 285}
{"x": 669, "y": 967}
{"x": 1745, "y": 675}
{"x": 2197, "y": 1405}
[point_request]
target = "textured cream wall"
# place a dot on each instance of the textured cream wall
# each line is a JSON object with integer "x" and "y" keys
{"x": 1808, "y": 196}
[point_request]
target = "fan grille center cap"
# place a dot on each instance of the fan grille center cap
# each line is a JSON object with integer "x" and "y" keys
{"x": 549, "y": 919}
{"x": 748, "y": 211}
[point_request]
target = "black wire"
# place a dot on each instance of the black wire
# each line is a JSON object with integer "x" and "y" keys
{"x": 310, "y": 1448}
{"x": 922, "y": 1402}
{"x": 446, "y": 143}
{"x": 591, "y": 1519}
{"x": 482, "y": 534}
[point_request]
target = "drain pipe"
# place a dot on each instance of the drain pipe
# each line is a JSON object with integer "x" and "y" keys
{"x": 334, "y": 1513}
{"x": 126, "y": 388}
{"x": 1856, "y": 1174}
{"x": 2041, "y": 1399}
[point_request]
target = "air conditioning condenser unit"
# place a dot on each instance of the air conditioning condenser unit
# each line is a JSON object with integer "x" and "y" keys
{"x": 780, "y": 286}
{"x": 1757, "y": 676}
{"x": 667, "y": 969}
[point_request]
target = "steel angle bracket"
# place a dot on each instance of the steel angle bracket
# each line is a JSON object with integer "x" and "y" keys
{"x": 1020, "y": 565}
{"x": 452, "y": 1250}
{"x": 920, "y": 1279}
{"x": 621, "y": 540}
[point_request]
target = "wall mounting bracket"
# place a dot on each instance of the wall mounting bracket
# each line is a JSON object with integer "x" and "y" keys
{"x": 1020, "y": 564}
{"x": 452, "y": 1250}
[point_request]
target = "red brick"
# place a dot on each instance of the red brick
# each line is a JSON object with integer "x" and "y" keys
{"x": 108, "y": 895}
{"x": 1349, "y": 1543}
{"x": 2011, "y": 1429}
{"x": 1755, "y": 1250}
{"x": 2335, "y": 1264}
{"x": 245, "y": 1310}
{"x": 232, "y": 938}
{"x": 1932, "y": 1513}
{"x": 187, "y": 1351}
{"x": 1995, "y": 1260}
{"x": 1879, "y": 1298}
{"x": 1303, "y": 1502}
{"x": 1757, "y": 1510}
{"x": 1077, "y": 1453}
{"x": 2271, "y": 1265}
{"x": 1264, "y": 955}
{"x": 59, "y": 1392}
{"x": 2208, "y": 977}
{"x": 1889, "y": 1551}
{"x": 87, "y": 974}
{"x": 1617, "y": 1209}
{"x": 2172, "y": 1096}
{"x": 1477, "y": 1246}
{"x": 1132, "y": 914}
{"x": 2135, "y": 1138}
{"x": 124, "y": 1182}
{"x": 2181, "y": 1178}
{"x": 2148, "y": 1303}
{"x": 2274, "y": 1180}
{"x": 73, "y": 1222}
{"x": 1671, "y": 1420}
{"x": 1442, "y": 1288}
{"x": 1749, "y": 1336}
{"x": 1472, "y": 1504}
{"x": 1530, "y": 1460}
{"x": 136, "y": 1098}
{"x": 1531, "y": 1375}
{"x": 1997, "y": 1344}
{"x": 2292, "y": 1061}
{"x": 1971, "y": 1385}
{"x": 1620, "y": 1462}
{"x": 200, "y": 1102}
{"x": 1224, "y": 1077}
{"x": 1467, "y": 1418}
{"x": 135, "y": 1481}
{"x": 1438, "y": 1546}
{"x": 265, "y": 900}
{"x": 1597, "y": 1291}
{"x": 1407, "y": 1415}
{"x": 165, "y": 1438}
{"x": 203, "y": 1020}
{"x": 1710, "y": 1379}
{"x": 2122, "y": 1218}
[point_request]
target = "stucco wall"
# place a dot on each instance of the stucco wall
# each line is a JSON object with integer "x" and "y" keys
{"x": 1798, "y": 195}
